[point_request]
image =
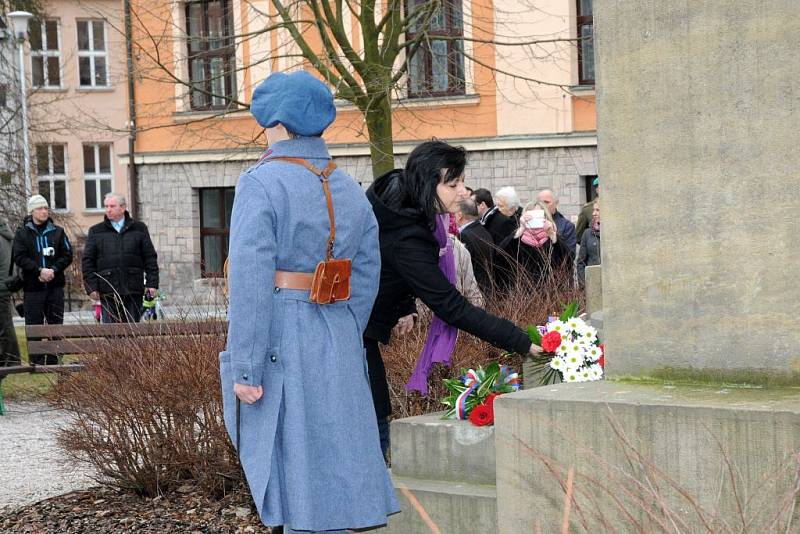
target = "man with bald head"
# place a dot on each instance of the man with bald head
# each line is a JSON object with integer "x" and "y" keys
{"x": 564, "y": 228}
{"x": 118, "y": 262}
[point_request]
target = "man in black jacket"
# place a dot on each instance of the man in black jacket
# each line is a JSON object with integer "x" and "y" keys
{"x": 479, "y": 243}
{"x": 497, "y": 224}
{"x": 43, "y": 252}
{"x": 118, "y": 258}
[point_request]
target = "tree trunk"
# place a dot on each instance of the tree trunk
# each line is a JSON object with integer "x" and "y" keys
{"x": 378, "y": 117}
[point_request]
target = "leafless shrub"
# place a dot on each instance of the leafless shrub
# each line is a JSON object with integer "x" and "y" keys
{"x": 147, "y": 413}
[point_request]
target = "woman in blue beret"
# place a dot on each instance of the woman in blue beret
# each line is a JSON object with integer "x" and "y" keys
{"x": 294, "y": 377}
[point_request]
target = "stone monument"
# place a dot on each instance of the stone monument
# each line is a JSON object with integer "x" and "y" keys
{"x": 698, "y": 113}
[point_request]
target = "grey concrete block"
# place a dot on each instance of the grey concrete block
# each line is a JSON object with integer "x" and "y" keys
{"x": 453, "y": 508}
{"x": 428, "y": 447}
{"x": 703, "y": 439}
{"x": 594, "y": 288}
{"x": 689, "y": 127}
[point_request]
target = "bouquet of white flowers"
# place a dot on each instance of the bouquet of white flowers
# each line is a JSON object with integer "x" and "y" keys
{"x": 570, "y": 347}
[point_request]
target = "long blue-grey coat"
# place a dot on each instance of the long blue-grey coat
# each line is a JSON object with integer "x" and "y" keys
{"x": 309, "y": 447}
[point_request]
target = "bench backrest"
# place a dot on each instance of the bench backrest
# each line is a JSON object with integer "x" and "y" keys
{"x": 92, "y": 338}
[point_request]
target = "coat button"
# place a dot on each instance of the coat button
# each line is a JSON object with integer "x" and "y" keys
{"x": 273, "y": 358}
{"x": 277, "y": 290}
{"x": 245, "y": 377}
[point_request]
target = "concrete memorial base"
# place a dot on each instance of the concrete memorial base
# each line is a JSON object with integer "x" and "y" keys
{"x": 448, "y": 469}
{"x": 731, "y": 450}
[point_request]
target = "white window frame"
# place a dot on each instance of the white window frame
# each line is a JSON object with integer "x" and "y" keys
{"x": 51, "y": 177}
{"x": 45, "y": 54}
{"x": 92, "y": 54}
{"x": 97, "y": 177}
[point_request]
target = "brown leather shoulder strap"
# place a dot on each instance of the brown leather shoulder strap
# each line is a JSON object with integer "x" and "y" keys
{"x": 323, "y": 174}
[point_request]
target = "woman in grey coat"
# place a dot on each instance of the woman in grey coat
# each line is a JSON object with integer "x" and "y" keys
{"x": 305, "y": 429}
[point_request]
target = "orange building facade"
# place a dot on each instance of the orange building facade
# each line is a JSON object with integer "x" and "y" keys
{"x": 517, "y": 92}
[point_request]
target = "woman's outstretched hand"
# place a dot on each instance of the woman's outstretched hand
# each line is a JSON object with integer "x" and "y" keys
{"x": 248, "y": 394}
{"x": 404, "y": 324}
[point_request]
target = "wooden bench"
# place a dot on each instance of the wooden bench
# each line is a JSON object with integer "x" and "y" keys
{"x": 78, "y": 339}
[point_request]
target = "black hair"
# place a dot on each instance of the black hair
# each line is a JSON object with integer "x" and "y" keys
{"x": 424, "y": 172}
{"x": 485, "y": 196}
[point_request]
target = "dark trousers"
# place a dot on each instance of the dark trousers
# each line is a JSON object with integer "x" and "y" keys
{"x": 121, "y": 308}
{"x": 44, "y": 307}
{"x": 9, "y": 349}
{"x": 380, "y": 391}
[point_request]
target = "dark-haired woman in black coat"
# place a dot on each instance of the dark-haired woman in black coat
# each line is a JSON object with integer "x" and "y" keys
{"x": 406, "y": 203}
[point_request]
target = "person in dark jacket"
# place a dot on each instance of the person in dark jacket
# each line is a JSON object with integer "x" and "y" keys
{"x": 9, "y": 348}
{"x": 585, "y": 217}
{"x": 43, "y": 252}
{"x": 479, "y": 243}
{"x": 407, "y": 204}
{"x": 498, "y": 225}
{"x": 566, "y": 230}
{"x": 119, "y": 260}
{"x": 590, "y": 244}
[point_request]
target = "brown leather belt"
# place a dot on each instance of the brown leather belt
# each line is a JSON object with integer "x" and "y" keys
{"x": 290, "y": 280}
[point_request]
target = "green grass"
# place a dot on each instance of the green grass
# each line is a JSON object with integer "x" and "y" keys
{"x": 26, "y": 386}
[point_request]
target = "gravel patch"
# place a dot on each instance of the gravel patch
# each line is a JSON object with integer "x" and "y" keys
{"x": 32, "y": 467}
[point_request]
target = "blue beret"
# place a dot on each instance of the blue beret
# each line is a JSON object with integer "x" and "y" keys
{"x": 299, "y": 101}
{"x": 596, "y": 181}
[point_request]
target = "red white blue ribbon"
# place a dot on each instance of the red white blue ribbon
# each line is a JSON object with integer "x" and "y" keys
{"x": 472, "y": 383}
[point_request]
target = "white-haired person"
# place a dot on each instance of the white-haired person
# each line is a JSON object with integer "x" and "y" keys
{"x": 507, "y": 201}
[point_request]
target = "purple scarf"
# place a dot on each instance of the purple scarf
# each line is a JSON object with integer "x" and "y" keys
{"x": 441, "y": 336}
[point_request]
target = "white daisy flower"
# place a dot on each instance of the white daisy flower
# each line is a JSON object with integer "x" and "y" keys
{"x": 573, "y": 360}
{"x": 585, "y": 374}
{"x": 596, "y": 372}
{"x": 589, "y": 333}
{"x": 571, "y": 376}
{"x": 562, "y": 349}
{"x": 593, "y": 353}
{"x": 557, "y": 363}
{"x": 557, "y": 326}
{"x": 576, "y": 324}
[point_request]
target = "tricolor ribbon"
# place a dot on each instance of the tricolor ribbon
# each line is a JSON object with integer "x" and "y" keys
{"x": 472, "y": 383}
{"x": 509, "y": 378}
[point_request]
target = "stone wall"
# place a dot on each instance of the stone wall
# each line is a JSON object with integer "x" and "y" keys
{"x": 697, "y": 121}
{"x": 170, "y": 202}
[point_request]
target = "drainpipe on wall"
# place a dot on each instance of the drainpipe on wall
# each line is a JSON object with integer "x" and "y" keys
{"x": 133, "y": 178}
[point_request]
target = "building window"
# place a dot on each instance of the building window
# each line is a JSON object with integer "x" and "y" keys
{"x": 92, "y": 54}
{"x": 97, "y": 175}
{"x": 45, "y": 53}
{"x": 52, "y": 175}
{"x": 591, "y": 193}
{"x": 216, "y": 206}
{"x": 437, "y": 68}
{"x": 585, "y": 43}
{"x": 211, "y": 54}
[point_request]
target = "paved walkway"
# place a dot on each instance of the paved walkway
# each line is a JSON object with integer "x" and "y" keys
{"x": 32, "y": 467}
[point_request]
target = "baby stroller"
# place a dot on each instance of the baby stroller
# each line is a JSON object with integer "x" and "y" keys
{"x": 152, "y": 310}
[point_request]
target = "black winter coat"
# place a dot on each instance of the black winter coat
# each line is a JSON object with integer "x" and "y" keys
{"x": 498, "y": 225}
{"x": 410, "y": 269}
{"x": 480, "y": 245}
{"x": 119, "y": 261}
{"x": 31, "y": 251}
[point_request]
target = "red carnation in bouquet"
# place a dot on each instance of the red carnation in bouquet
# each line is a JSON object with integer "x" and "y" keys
{"x": 481, "y": 415}
{"x": 551, "y": 341}
{"x": 602, "y": 360}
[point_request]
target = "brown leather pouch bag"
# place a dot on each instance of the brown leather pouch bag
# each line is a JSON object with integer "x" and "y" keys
{"x": 331, "y": 281}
